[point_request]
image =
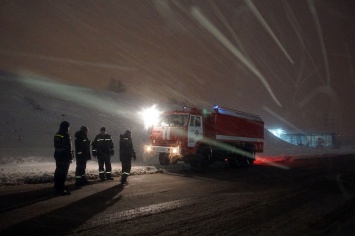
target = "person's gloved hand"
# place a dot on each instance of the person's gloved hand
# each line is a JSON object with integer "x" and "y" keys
{"x": 134, "y": 156}
{"x": 112, "y": 152}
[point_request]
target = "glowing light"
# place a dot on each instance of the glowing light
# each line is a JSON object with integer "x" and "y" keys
{"x": 150, "y": 116}
{"x": 148, "y": 148}
{"x": 174, "y": 150}
{"x": 277, "y": 132}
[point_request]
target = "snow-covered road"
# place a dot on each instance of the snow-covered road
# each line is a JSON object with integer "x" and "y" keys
{"x": 307, "y": 196}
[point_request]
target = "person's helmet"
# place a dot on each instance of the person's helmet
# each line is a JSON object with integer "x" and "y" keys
{"x": 103, "y": 129}
{"x": 84, "y": 129}
{"x": 127, "y": 132}
{"x": 64, "y": 125}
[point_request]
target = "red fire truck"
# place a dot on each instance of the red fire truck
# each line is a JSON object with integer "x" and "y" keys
{"x": 200, "y": 138}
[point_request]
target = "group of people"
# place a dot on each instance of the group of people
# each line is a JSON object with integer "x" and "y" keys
{"x": 102, "y": 149}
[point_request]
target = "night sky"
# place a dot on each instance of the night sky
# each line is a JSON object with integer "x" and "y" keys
{"x": 290, "y": 61}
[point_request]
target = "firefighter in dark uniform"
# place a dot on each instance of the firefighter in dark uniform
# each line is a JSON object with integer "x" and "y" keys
{"x": 103, "y": 149}
{"x": 63, "y": 156}
{"x": 127, "y": 153}
{"x": 82, "y": 154}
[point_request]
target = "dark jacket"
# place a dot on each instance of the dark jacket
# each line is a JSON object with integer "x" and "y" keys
{"x": 103, "y": 145}
{"x": 62, "y": 146}
{"x": 82, "y": 146}
{"x": 126, "y": 147}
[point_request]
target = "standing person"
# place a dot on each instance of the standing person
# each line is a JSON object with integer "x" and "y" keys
{"x": 102, "y": 147}
{"x": 126, "y": 154}
{"x": 63, "y": 156}
{"x": 82, "y": 153}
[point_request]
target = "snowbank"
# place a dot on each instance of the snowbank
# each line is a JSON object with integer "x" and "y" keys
{"x": 34, "y": 171}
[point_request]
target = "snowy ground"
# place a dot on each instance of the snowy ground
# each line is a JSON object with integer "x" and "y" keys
{"x": 313, "y": 196}
{"x": 32, "y": 170}
{"x": 42, "y": 172}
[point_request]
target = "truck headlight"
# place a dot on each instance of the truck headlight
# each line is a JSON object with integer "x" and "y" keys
{"x": 148, "y": 148}
{"x": 175, "y": 150}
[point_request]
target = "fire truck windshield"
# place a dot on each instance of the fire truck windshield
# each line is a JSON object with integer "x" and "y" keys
{"x": 174, "y": 120}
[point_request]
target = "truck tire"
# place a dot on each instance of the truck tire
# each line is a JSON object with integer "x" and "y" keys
{"x": 201, "y": 160}
{"x": 164, "y": 159}
{"x": 249, "y": 160}
{"x": 239, "y": 157}
{"x": 205, "y": 156}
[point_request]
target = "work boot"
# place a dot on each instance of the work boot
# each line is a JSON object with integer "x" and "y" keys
{"x": 102, "y": 176}
{"x": 108, "y": 176}
{"x": 124, "y": 179}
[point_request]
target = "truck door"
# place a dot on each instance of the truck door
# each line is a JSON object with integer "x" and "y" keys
{"x": 195, "y": 131}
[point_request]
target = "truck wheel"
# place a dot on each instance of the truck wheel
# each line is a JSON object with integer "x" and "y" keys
{"x": 204, "y": 155}
{"x": 164, "y": 159}
{"x": 240, "y": 158}
{"x": 249, "y": 160}
{"x": 201, "y": 160}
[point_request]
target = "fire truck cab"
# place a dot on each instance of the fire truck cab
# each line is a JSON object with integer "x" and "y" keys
{"x": 199, "y": 137}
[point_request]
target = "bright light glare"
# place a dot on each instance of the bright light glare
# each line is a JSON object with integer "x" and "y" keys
{"x": 150, "y": 116}
{"x": 277, "y": 132}
{"x": 148, "y": 148}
